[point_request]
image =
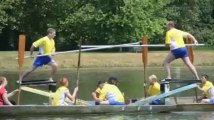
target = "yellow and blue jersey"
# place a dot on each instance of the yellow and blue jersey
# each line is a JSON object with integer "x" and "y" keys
{"x": 46, "y": 45}
{"x": 59, "y": 96}
{"x": 206, "y": 86}
{"x": 98, "y": 90}
{"x": 154, "y": 89}
{"x": 174, "y": 37}
{"x": 110, "y": 92}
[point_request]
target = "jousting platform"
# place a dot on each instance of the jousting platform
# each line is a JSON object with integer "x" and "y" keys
{"x": 27, "y": 86}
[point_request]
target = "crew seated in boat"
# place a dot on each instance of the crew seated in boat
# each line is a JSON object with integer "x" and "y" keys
{"x": 111, "y": 80}
{"x": 208, "y": 90}
{"x": 154, "y": 89}
{"x": 109, "y": 94}
{"x": 4, "y": 97}
{"x": 63, "y": 92}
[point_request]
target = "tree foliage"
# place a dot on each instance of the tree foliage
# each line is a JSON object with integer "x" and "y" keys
{"x": 104, "y": 21}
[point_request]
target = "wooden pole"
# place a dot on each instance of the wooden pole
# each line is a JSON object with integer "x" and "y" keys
{"x": 191, "y": 57}
{"x": 134, "y": 45}
{"x": 145, "y": 60}
{"x": 190, "y": 50}
{"x": 97, "y": 47}
{"x": 78, "y": 66}
{"x": 21, "y": 53}
{"x": 89, "y": 49}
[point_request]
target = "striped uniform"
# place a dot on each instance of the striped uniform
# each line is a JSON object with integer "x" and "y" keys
{"x": 154, "y": 90}
{"x": 208, "y": 89}
{"x": 174, "y": 37}
{"x": 46, "y": 46}
{"x": 59, "y": 96}
{"x": 112, "y": 94}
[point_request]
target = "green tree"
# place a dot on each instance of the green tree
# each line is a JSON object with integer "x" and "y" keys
{"x": 103, "y": 21}
{"x": 194, "y": 16}
{"x": 6, "y": 38}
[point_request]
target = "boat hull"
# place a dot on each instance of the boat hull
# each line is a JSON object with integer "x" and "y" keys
{"x": 25, "y": 110}
{"x": 41, "y": 110}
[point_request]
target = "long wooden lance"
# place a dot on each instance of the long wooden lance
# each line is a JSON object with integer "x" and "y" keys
{"x": 145, "y": 60}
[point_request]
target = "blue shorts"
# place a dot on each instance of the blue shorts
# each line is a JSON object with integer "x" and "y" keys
{"x": 156, "y": 102}
{"x": 180, "y": 52}
{"x": 114, "y": 102}
{"x": 97, "y": 103}
{"x": 42, "y": 60}
{"x": 212, "y": 101}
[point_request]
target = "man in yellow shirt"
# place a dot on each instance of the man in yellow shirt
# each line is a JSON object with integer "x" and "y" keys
{"x": 109, "y": 94}
{"x": 154, "y": 89}
{"x": 47, "y": 48}
{"x": 208, "y": 90}
{"x": 174, "y": 40}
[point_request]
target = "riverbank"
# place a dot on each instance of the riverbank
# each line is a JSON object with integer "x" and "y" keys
{"x": 103, "y": 60}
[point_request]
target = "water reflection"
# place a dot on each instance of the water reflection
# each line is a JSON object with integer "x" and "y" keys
{"x": 130, "y": 81}
{"x": 160, "y": 116}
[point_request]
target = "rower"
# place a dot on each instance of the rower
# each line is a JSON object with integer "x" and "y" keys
{"x": 4, "y": 96}
{"x": 154, "y": 89}
{"x": 63, "y": 92}
{"x": 208, "y": 90}
{"x": 111, "y": 80}
{"x": 109, "y": 94}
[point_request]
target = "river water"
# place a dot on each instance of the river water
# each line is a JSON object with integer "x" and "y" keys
{"x": 130, "y": 83}
{"x": 159, "y": 116}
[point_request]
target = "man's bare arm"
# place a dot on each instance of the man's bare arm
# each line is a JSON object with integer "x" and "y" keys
{"x": 31, "y": 50}
{"x": 191, "y": 37}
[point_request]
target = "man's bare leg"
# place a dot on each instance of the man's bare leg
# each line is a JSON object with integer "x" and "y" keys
{"x": 104, "y": 103}
{"x": 28, "y": 73}
{"x": 53, "y": 69}
{"x": 169, "y": 58}
{"x": 205, "y": 101}
{"x": 191, "y": 67}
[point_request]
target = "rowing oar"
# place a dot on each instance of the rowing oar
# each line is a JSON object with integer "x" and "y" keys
{"x": 191, "y": 57}
{"x": 78, "y": 67}
{"x": 21, "y": 53}
{"x": 144, "y": 60}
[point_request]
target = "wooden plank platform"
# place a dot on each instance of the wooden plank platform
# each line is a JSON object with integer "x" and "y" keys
{"x": 160, "y": 96}
{"x": 37, "y": 83}
{"x": 37, "y": 91}
{"x": 181, "y": 81}
{"x": 51, "y": 94}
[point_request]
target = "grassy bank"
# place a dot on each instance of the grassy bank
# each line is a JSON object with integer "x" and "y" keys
{"x": 94, "y": 60}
